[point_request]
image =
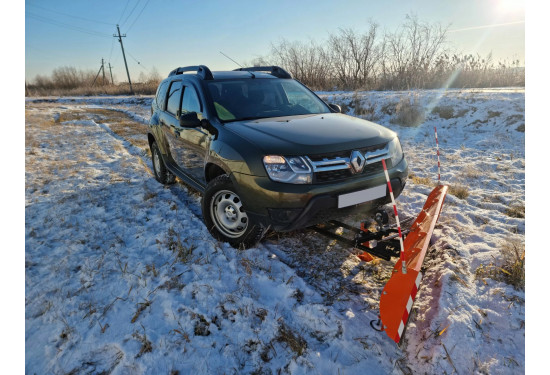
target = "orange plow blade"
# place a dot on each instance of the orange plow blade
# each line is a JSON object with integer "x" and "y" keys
{"x": 400, "y": 291}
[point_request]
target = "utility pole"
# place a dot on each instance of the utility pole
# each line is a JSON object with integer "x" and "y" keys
{"x": 97, "y": 75}
{"x": 123, "y": 55}
{"x": 103, "y": 69}
{"x": 110, "y": 71}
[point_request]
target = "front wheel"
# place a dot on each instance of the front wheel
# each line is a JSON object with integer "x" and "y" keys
{"x": 225, "y": 217}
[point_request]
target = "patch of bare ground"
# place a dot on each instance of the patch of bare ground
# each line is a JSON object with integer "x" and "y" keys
{"x": 124, "y": 126}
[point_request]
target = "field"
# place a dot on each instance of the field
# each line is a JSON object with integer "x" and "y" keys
{"x": 122, "y": 276}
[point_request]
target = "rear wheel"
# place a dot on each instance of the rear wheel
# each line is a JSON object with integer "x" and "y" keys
{"x": 162, "y": 174}
{"x": 225, "y": 217}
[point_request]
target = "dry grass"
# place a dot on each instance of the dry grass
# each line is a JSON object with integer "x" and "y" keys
{"x": 471, "y": 172}
{"x": 459, "y": 191}
{"x": 182, "y": 250}
{"x": 408, "y": 112}
{"x": 120, "y": 89}
{"x": 201, "y": 326}
{"x": 421, "y": 180}
{"x": 516, "y": 210}
{"x": 511, "y": 269}
{"x": 293, "y": 340}
{"x": 445, "y": 111}
{"x": 366, "y": 111}
{"x": 388, "y": 108}
{"x": 146, "y": 345}
{"x": 124, "y": 126}
{"x": 141, "y": 308}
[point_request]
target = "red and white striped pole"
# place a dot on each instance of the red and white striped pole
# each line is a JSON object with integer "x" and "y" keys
{"x": 438, "y": 163}
{"x": 402, "y": 254}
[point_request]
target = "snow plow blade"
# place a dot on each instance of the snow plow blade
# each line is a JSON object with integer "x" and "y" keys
{"x": 400, "y": 291}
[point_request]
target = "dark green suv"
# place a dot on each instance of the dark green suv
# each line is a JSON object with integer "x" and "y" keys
{"x": 266, "y": 152}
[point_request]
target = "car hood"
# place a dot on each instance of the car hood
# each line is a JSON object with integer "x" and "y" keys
{"x": 311, "y": 134}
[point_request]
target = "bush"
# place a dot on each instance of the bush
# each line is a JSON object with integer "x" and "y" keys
{"x": 408, "y": 112}
{"x": 516, "y": 210}
{"x": 511, "y": 269}
{"x": 445, "y": 112}
{"x": 459, "y": 191}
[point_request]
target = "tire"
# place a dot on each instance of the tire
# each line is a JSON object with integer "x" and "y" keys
{"x": 225, "y": 217}
{"x": 162, "y": 175}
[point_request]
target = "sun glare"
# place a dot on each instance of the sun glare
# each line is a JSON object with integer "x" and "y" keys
{"x": 509, "y": 7}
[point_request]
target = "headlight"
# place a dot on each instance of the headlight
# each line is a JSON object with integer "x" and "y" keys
{"x": 396, "y": 152}
{"x": 292, "y": 170}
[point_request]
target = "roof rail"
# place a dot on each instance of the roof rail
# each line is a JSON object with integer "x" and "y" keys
{"x": 201, "y": 70}
{"x": 273, "y": 70}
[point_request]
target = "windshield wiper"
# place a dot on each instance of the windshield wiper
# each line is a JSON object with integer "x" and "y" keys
{"x": 245, "y": 118}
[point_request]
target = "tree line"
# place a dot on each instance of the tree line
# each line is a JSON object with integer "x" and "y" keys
{"x": 416, "y": 55}
{"x": 68, "y": 80}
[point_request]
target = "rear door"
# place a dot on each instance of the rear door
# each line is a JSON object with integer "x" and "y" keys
{"x": 193, "y": 143}
{"x": 169, "y": 119}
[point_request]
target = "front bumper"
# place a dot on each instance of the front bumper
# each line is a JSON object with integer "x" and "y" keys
{"x": 287, "y": 207}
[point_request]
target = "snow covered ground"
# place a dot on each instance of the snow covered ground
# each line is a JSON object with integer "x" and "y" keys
{"x": 122, "y": 276}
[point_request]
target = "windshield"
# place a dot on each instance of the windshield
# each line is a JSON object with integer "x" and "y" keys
{"x": 253, "y": 98}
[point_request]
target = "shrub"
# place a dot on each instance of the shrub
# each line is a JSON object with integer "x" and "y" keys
{"x": 516, "y": 210}
{"x": 367, "y": 111}
{"x": 511, "y": 269}
{"x": 445, "y": 112}
{"x": 408, "y": 112}
{"x": 421, "y": 180}
{"x": 459, "y": 191}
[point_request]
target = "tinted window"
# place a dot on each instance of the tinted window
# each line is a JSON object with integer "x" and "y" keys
{"x": 246, "y": 99}
{"x": 174, "y": 96}
{"x": 190, "y": 102}
{"x": 297, "y": 96}
{"x": 161, "y": 95}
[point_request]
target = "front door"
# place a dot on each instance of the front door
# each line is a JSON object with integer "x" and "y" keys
{"x": 188, "y": 146}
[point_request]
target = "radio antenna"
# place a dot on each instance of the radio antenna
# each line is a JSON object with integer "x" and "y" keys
{"x": 231, "y": 59}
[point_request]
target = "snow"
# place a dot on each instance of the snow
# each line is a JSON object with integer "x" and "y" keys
{"x": 122, "y": 276}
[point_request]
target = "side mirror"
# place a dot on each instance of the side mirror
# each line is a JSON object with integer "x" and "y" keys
{"x": 335, "y": 107}
{"x": 190, "y": 120}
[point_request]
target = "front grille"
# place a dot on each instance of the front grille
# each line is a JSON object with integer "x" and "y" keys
{"x": 337, "y": 166}
{"x": 330, "y": 155}
{"x": 330, "y": 176}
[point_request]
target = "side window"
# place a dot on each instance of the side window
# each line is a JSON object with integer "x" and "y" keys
{"x": 190, "y": 102}
{"x": 174, "y": 98}
{"x": 161, "y": 95}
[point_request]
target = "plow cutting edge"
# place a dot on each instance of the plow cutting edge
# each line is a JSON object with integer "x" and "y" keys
{"x": 400, "y": 291}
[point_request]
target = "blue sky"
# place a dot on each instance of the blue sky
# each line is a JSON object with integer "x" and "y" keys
{"x": 166, "y": 33}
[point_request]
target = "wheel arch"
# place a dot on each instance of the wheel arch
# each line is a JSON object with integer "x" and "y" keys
{"x": 213, "y": 170}
{"x": 150, "y": 139}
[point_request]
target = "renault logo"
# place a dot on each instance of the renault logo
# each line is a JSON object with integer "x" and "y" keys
{"x": 357, "y": 161}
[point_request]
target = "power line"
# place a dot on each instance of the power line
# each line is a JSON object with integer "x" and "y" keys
{"x": 65, "y": 25}
{"x": 124, "y": 10}
{"x": 142, "y": 9}
{"x": 137, "y": 61}
{"x": 111, "y": 53}
{"x": 132, "y": 11}
{"x": 71, "y": 15}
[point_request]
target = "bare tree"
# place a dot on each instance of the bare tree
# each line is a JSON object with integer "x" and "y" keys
{"x": 307, "y": 62}
{"x": 154, "y": 76}
{"x": 413, "y": 51}
{"x": 354, "y": 57}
